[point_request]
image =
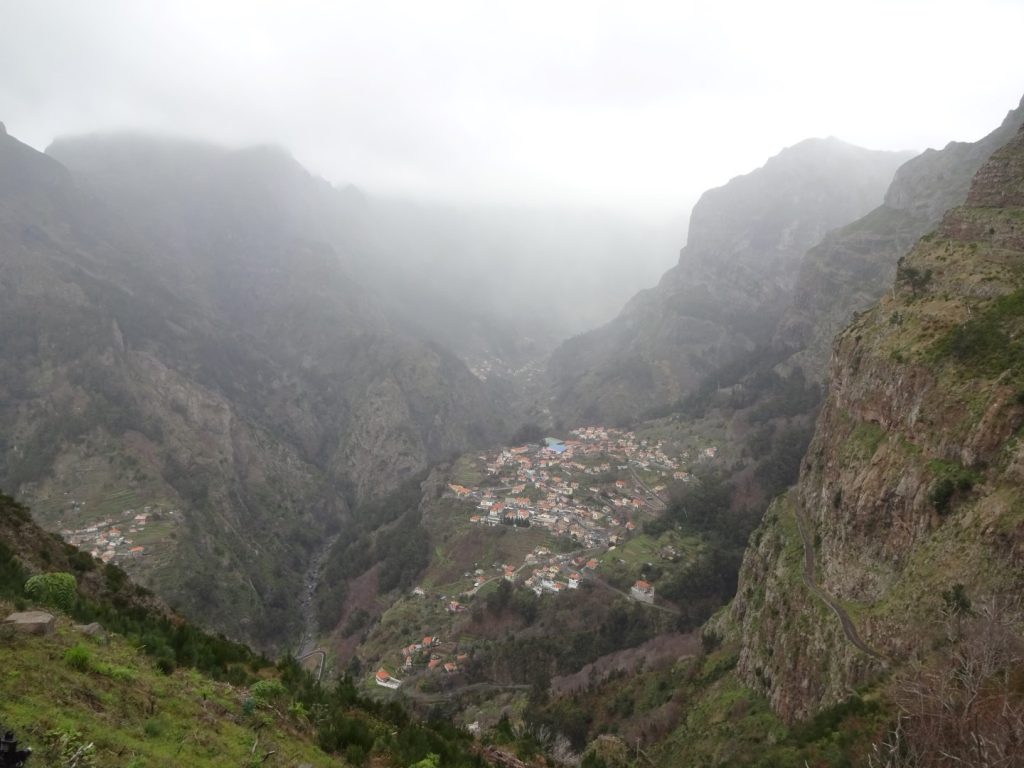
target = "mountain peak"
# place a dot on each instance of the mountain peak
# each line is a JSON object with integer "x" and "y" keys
{"x": 830, "y": 149}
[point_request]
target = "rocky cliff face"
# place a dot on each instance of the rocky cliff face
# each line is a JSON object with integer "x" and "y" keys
{"x": 913, "y": 481}
{"x": 182, "y": 330}
{"x": 732, "y": 282}
{"x": 854, "y": 265}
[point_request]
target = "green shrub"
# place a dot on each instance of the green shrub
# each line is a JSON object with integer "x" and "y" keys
{"x": 266, "y": 691}
{"x": 116, "y": 578}
{"x": 987, "y": 343}
{"x": 956, "y": 600}
{"x": 78, "y": 657}
{"x": 952, "y": 479}
{"x": 54, "y": 589}
{"x": 120, "y": 674}
{"x": 165, "y": 664}
{"x": 81, "y": 561}
{"x": 154, "y": 728}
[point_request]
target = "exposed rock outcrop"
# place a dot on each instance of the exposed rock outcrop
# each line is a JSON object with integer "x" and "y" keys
{"x": 32, "y": 622}
{"x": 913, "y": 481}
{"x": 734, "y": 278}
{"x": 854, "y": 265}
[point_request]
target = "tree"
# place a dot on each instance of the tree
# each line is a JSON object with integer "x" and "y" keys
{"x": 916, "y": 278}
{"x": 964, "y": 708}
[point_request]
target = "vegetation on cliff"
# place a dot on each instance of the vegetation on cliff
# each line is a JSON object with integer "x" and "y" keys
{"x": 912, "y": 486}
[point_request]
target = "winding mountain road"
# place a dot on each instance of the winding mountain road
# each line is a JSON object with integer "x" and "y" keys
{"x": 849, "y": 628}
{"x": 323, "y": 661}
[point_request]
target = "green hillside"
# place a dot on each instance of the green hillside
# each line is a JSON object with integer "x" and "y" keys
{"x": 143, "y": 687}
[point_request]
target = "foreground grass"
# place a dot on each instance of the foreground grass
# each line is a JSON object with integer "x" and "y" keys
{"x": 68, "y": 689}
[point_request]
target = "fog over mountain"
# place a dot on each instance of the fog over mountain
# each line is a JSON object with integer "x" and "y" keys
{"x": 535, "y": 165}
{"x": 624, "y": 108}
{"x": 533, "y": 385}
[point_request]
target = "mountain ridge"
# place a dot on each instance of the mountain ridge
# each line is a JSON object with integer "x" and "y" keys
{"x": 188, "y": 361}
{"x": 732, "y": 281}
{"x": 853, "y": 266}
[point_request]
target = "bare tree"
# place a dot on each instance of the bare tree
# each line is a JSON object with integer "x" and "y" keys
{"x": 964, "y": 707}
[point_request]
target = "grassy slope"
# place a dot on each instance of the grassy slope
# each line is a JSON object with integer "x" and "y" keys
{"x": 133, "y": 714}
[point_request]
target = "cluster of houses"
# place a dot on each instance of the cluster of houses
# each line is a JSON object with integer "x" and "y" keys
{"x": 111, "y": 539}
{"x": 553, "y": 574}
{"x": 550, "y": 579}
{"x": 587, "y": 487}
{"x": 584, "y": 487}
{"x": 430, "y": 654}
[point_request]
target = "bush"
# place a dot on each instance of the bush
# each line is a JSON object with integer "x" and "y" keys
{"x": 952, "y": 479}
{"x": 165, "y": 664}
{"x": 154, "y": 728}
{"x": 72, "y": 748}
{"x": 78, "y": 657}
{"x": 986, "y": 343}
{"x": 54, "y": 589}
{"x": 81, "y": 561}
{"x": 116, "y": 578}
{"x": 266, "y": 691}
{"x": 120, "y": 674}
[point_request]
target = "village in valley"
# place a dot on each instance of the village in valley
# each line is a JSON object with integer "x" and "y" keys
{"x": 564, "y": 485}
{"x": 590, "y": 492}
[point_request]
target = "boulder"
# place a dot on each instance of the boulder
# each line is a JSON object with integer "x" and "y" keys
{"x": 91, "y": 630}
{"x": 32, "y": 622}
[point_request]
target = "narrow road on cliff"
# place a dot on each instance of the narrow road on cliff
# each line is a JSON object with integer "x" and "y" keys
{"x": 849, "y": 628}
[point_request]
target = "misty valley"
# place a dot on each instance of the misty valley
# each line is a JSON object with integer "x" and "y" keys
{"x": 297, "y": 473}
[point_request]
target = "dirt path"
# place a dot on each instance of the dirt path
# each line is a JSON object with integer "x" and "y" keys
{"x": 849, "y": 628}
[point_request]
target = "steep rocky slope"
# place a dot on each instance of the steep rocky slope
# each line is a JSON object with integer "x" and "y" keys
{"x": 180, "y": 333}
{"x": 911, "y": 493}
{"x": 734, "y": 278}
{"x": 854, "y": 265}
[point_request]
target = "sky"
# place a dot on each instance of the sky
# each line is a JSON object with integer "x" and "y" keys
{"x": 633, "y": 106}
